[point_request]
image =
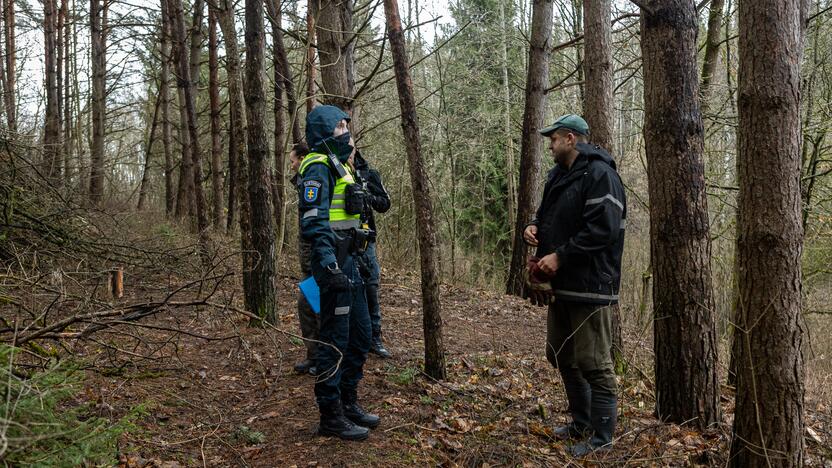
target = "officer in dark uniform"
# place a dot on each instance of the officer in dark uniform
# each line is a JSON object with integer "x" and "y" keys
{"x": 579, "y": 234}
{"x": 330, "y": 203}
{"x": 377, "y": 199}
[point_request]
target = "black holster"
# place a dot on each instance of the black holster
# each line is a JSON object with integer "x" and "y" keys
{"x": 351, "y": 242}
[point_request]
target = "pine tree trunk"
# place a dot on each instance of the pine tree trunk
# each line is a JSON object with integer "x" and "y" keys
{"x": 97, "y": 100}
{"x": 425, "y": 221}
{"x": 531, "y": 145}
{"x": 67, "y": 95}
{"x": 687, "y": 389}
{"x": 148, "y": 151}
{"x": 278, "y": 185}
{"x": 769, "y": 420}
{"x": 10, "y": 101}
{"x": 311, "y": 56}
{"x": 510, "y": 167}
{"x": 164, "y": 95}
{"x": 214, "y": 97}
{"x": 51, "y": 132}
{"x": 712, "y": 41}
{"x": 262, "y": 229}
{"x": 599, "y": 105}
{"x": 332, "y": 52}
{"x": 188, "y": 89}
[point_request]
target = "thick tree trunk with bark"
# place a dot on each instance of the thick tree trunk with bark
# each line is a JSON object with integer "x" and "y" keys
{"x": 333, "y": 53}
{"x": 598, "y": 72}
{"x": 66, "y": 101}
{"x": 164, "y": 96}
{"x": 687, "y": 389}
{"x": 187, "y": 86}
{"x": 262, "y": 278}
{"x": 214, "y": 97}
{"x": 599, "y": 106}
{"x": 531, "y": 147}
{"x": 425, "y": 221}
{"x": 97, "y": 100}
{"x": 769, "y": 424}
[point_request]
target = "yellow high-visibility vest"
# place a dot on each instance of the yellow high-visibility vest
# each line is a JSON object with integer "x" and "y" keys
{"x": 339, "y": 219}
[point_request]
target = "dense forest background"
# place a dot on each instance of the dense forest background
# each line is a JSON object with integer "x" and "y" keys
{"x": 106, "y": 168}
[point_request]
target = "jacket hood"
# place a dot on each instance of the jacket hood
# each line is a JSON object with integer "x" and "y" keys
{"x": 595, "y": 152}
{"x": 320, "y": 123}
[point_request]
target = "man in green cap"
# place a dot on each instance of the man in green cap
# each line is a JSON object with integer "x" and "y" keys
{"x": 579, "y": 234}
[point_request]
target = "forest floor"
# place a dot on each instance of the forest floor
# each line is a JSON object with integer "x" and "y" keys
{"x": 216, "y": 392}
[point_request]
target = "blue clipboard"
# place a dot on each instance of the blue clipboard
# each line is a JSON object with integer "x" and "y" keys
{"x": 309, "y": 289}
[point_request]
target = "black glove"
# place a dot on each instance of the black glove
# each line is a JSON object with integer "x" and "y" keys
{"x": 539, "y": 297}
{"x": 335, "y": 280}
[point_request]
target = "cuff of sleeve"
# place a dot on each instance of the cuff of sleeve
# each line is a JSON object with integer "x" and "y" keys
{"x": 563, "y": 256}
{"x": 327, "y": 260}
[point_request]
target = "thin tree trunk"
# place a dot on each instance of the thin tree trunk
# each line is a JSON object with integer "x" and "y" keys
{"x": 51, "y": 133}
{"x": 687, "y": 389}
{"x": 10, "y": 100}
{"x": 262, "y": 229}
{"x": 712, "y": 41}
{"x": 425, "y": 224}
{"x": 310, "y": 55}
{"x": 164, "y": 96}
{"x": 188, "y": 85}
{"x": 510, "y": 169}
{"x": 97, "y": 100}
{"x": 148, "y": 151}
{"x": 214, "y": 97}
{"x": 278, "y": 185}
{"x": 769, "y": 419}
{"x": 531, "y": 146}
{"x": 67, "y": 95}
{"x": 3, "y": 121}
{"x": 282, "y": 64}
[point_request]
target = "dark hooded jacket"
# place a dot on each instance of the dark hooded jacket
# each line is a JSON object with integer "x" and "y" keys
{"x": 582, "y": 217}
{"x": 377, "y": 198}
{"x": 316, "y": 184}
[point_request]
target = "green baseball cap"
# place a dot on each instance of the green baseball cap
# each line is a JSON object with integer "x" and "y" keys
{"x": 571, "y": 121}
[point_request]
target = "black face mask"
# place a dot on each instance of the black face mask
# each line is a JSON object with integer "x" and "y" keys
{"x": 340, "y": 146}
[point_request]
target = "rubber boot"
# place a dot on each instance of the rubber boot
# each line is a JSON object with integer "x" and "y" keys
{"x": 334, "y": 423}
{"x": 579, "y": 395}
{"x": 604, "y": 416}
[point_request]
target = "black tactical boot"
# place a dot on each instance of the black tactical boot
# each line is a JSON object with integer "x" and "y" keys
{"x": 579, "y": 395}
{"x": 377, "y": 347}
{"x": 304, "y": 366}
{"x": 355, "y": 413}
{"x": 334, "y": 423}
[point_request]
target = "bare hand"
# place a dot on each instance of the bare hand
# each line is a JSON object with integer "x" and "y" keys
{"x": 530, "y": 235}
{"x": 549, "y": 264}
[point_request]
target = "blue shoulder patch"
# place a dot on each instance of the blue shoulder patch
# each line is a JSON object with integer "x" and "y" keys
{"x": 310, "y": 194}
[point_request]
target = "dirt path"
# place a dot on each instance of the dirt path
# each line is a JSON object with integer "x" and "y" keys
{"x": 235, "y": 400}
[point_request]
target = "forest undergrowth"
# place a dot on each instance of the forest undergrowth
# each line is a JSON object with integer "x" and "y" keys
{"x": 170, "y": 373}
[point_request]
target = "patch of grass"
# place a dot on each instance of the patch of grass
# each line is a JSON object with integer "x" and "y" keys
{"x": 42, "y": 424}
{"x": 295, "y": 341}
{"x": 247, "y": 436}
{"x": 426, "y": 400}
{"x": 406, "y": 376}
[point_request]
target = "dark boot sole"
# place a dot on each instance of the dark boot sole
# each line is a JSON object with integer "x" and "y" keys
{"x": 326, "y": 433}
